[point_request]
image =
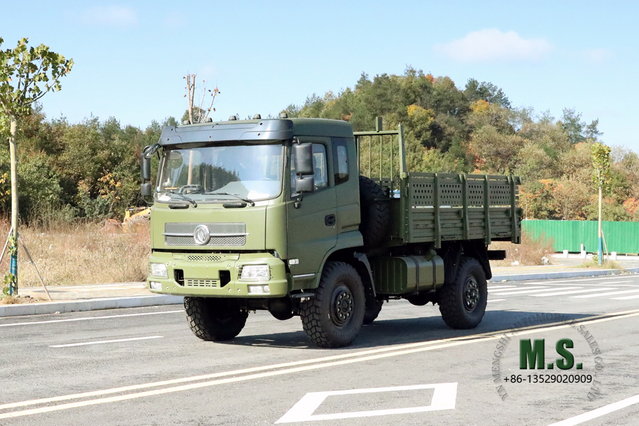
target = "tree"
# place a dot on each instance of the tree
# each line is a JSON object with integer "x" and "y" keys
{"x": 26, "y": 75}
{"x": 600, "y": 176}
{"x": 485, "y": 91}
{"x": 579, "y": 131}
{"x": 197, "y": 113}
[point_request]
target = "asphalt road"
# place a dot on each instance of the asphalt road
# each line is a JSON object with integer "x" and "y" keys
{"x": 144, "y": 367}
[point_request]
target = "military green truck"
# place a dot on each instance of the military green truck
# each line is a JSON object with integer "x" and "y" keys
{"x": 304, "y": 217}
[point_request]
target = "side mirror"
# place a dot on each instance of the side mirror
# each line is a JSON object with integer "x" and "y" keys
{"x": 303, "y": 159}
{"x": 304, "y": 184}
{"x": 146, "y": 190}
{"x": 146, "y": 169}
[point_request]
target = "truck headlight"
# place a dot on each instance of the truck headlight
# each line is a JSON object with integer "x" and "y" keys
{"x": 255, "y": 272}
{"x": 159, "y": 270}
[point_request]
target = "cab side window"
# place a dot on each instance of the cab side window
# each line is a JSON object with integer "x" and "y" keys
{"x": 320, "y": 166}
{"x": 340, "y": 160}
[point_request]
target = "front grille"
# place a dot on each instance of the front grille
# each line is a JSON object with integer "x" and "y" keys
{"x": 222, "y": 234}
{"x": 214, "y": 241}
{"x": 201, "y": 283}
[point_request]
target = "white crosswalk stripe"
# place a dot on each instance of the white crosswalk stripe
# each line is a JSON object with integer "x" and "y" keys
{"x": 538, "y": 290}
{"x": 515, "y": 290}
{"x": 636, "y": 296}
{"x": 612, "y": 293}
{"x": 612, "y": 288}
{"x": 562, "y": 293}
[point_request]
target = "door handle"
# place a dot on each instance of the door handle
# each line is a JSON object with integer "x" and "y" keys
{"x": 329, "y": 220}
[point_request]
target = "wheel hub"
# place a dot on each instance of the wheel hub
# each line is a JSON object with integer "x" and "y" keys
{"x": 471, "y": 294}
{"x": 341, "y": 306}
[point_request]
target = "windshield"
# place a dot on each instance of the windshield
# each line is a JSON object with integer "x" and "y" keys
{"x": 252, "y": 172}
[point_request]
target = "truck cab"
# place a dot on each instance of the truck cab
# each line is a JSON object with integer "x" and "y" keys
{"x": 227, "y": 219}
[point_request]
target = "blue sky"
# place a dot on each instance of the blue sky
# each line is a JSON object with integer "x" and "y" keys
{"x": 130, "y": 57}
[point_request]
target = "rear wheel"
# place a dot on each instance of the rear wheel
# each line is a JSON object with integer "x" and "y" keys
{"x": 214, "y": 319}
{"x": 334, "y": 316}
{"x": 462, "y": 302}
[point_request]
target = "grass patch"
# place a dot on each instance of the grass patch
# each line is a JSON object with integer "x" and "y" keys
{"x": 531, "y": 251}
{"x": 606, "y": 264}
{"x": 80, "y": 253}
{"x": 17, "y": 300}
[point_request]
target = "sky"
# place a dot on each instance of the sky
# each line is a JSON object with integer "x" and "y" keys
{"x": 130, "y": 57}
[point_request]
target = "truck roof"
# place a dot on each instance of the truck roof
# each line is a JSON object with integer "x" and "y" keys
{"x": 255, "y": 130}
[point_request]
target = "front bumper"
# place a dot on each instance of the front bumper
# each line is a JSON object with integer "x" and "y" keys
{"x": 217, "y": 275}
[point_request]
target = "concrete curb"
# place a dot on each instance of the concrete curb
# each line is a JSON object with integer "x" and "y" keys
{"x": 557, "y": 275}
{"x": 88, "y": 305}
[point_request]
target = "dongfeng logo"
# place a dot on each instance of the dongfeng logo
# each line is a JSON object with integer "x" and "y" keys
{"x": 201, "y": 235}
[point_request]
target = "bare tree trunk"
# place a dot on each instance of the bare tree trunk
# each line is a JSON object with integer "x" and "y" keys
{"x": 13, "y": 288}
{"x": 190, "y": 88}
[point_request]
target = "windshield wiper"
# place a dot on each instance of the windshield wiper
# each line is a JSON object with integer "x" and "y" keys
{"x": 184, "y": 197}
{"x": 246, "y": 200}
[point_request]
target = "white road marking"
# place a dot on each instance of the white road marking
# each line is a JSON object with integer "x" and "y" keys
{"x": 506, "y": 293}
{"x": 496, "y": 300}
{"x": 494, "y": 287}
{"x": 281, "y": 369}
{"x": 519, "y": 289}
{"x": 579, "y": 280}
{"x": 626, "y": 297}
{"x": 444, "y": 397}
{"x": 612, "y": 293}
{"x": 602, "y": 411}
{"x": 90, "y": 318}
{"x": 106, "y": 341}
{"x": 561, "y": 293}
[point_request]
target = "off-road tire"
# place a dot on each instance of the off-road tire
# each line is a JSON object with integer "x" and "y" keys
{"x": 334, "y": 316}
{"x": 375, "y": 219}
{"x": 462, "y": 302}
{"x": 214, "y": 319}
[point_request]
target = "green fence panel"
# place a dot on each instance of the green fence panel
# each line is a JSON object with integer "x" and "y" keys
{"x": 621, "y": 237}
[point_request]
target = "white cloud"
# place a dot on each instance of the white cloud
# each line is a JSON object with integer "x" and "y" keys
{"x": 492, "y": 45}
{"x": 118, "y": 16}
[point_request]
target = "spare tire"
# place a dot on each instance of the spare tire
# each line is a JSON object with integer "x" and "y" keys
{"x": 375, "y": 213}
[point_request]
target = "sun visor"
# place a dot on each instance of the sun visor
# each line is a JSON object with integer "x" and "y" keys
{"x": 257, "y": 130}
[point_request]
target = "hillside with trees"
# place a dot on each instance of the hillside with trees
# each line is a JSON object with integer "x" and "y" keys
{"x": 91, "y": 169}
{"x": 475, "y": 129}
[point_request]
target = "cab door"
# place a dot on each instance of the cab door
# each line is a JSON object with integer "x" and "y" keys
{"x": 312, "y": 228}
{"x": 346, "y": 178}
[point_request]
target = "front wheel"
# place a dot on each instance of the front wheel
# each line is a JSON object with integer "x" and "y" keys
{"x": 333, "y": 318}
{"x": 462, "y": 302}
{"x": 214, "y": 319}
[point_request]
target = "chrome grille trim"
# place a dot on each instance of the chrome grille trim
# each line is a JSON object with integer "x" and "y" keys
{"x": 167, "y": 234}
{"x": 221, "y": 234}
